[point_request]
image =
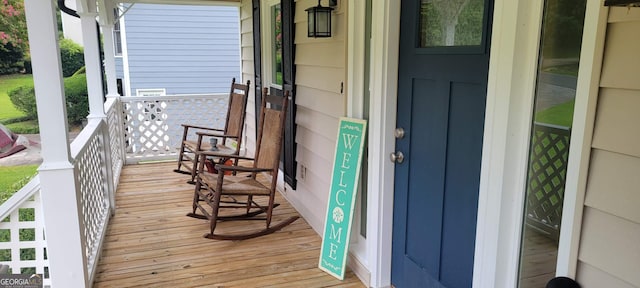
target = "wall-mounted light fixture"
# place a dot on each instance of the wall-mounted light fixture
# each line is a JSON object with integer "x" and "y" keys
{"x": 319, "y": 20}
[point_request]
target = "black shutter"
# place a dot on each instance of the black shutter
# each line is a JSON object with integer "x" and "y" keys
{"x": 257, "y": 60}
{"x": 289, "y": 73}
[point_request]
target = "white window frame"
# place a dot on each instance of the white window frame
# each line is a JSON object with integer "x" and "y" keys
{"x": 117, "y": 33}
{"x": 267, "y": 43}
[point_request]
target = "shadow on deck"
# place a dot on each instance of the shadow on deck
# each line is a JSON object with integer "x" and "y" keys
{"x": 151, "y": 243}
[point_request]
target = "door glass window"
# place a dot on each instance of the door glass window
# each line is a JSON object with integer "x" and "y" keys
{"x": 451, "y": 23}
{"x": 276, "y": 40}
{"x": 557, "y": 74}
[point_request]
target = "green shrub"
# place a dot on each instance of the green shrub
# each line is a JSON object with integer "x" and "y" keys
{"x": 82, "y": 70}
{"x": 27, "y": 65}
{"x": 14, "y": 120}
{"x": 75, "y": 88}
{"x": 72, "y": 57}
{"x": 23, "y": 98}
{"x": 10, "y": 59}
{"x": 24, "y": 127}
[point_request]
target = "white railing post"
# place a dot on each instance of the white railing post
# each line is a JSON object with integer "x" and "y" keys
{"x": 121, "y": 129}
{"x": 111, "y": 187}
{"x": 65, "y": 235}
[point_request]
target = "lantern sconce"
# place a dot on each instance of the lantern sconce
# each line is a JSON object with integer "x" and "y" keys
{"x": 319, "y": 20}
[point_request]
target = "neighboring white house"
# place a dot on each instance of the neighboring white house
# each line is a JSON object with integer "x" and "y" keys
{"x": 172, "y": 49}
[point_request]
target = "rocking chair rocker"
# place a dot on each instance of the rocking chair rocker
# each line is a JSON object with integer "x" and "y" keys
{"x": 210, "y": 188}
{"x": 187, "y": 160}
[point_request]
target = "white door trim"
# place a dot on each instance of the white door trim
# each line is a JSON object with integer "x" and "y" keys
{"x": 510, "y": 92}
{"x": 355, "y": 108}
{"x": 591, "y": 55}
{"x": 385, "y": 39}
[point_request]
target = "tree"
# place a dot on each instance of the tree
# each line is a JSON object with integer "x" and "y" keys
{"x": 451, "y": 22}
{"x": 13, "y": 36}
{"x": 449, "y": 10}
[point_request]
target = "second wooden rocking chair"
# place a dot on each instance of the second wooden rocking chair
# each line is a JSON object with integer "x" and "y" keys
{"x": 187, "y": 161}
{"x": 211, "y": 189}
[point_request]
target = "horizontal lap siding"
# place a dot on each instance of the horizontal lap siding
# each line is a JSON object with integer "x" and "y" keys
{"x": 320, "y": 71}
{"x": 609, "y": 253}
{"x": 247, "y": 69}
{"x": 184, "y": 49}
{"x": 119, "y": 68}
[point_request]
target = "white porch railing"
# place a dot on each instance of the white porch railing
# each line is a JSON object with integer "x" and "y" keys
{"x": 89, "y": 152}
{"x": 136, "y": 129}
{"x": 22, "y": 243}
{"x": 113, "y": 108}
{"x": 152, "y": 123}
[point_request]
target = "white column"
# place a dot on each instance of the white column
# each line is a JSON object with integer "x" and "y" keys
{"x": 109, "y": 60}
{"x": 88, "y": 13}
{"x": 57, "y": 175}
{"x": 92, "y": 58}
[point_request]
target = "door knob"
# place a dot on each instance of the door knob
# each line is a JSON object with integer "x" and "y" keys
{"x": 397, "y": 157}
{"x": 399, "y": 133}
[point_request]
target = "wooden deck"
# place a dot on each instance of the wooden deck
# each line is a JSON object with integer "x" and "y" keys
{"x": 151, "y": 243}
{"x": 539, "y": 259}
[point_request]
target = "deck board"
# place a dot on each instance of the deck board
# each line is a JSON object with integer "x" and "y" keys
{"x": 151, "y": 243}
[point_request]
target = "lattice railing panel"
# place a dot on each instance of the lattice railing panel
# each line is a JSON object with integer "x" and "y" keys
{"x": 93, "y": 194}
{"x": 22, "y": 241}
{"x": 153, "y": 124}
{"x": 116, "y": 134}
{"x": 547, "y": 172}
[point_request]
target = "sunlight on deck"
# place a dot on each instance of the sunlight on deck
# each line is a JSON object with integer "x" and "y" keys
{"x": 151, "y": 243}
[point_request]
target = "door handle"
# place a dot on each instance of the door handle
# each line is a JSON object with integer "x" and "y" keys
{"x": 397, "y": 157}
{"x": 398, "y": 133}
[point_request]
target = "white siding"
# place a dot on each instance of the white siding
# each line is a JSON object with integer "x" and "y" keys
{"x": 609, "y": 251}
{"x": 320, "y": 74}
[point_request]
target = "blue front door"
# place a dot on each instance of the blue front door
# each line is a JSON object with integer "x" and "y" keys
{"x": 443, "y": 68}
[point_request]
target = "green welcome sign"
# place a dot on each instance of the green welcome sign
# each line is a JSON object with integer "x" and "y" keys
{"x": 342, "y": 197}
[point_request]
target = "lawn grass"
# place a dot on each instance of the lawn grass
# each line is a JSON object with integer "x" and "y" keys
{"x": 561, "y": 114}
{"x": 13, "y": 178}
{"x": 7, "y": 83}
{"x": 11, "y": 117}
{"x": 24, "y": 127}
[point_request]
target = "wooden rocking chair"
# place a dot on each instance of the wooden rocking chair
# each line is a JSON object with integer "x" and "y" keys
{"x": 211, "y": 188}
{"x": 188, "y": 162}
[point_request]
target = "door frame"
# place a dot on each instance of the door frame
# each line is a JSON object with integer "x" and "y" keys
{"x": 509, "y": 108}
{"x": 510, "y": 101}
{"x": 385, "y": 38}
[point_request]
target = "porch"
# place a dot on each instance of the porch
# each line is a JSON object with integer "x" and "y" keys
{"x": 131, "y": 216}
{"x": 151, "y": 243}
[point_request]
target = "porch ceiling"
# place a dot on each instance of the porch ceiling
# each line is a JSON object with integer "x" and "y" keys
{"x": 184, "y": 2}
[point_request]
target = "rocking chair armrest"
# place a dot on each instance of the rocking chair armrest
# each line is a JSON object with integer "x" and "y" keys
{"x": 216, "y": 135}
{"x": 203, "y": 153}
{"x": 200, "y": 127}
{"x": 221, "y": 167}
